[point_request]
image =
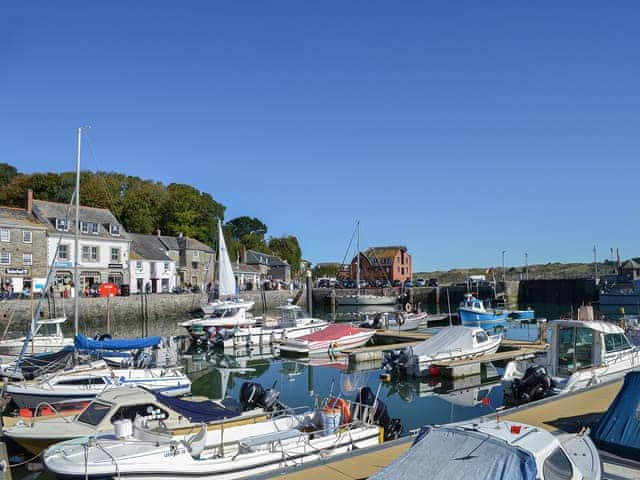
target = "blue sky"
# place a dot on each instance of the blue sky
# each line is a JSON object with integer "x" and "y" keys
{"x": 460, "y": 129}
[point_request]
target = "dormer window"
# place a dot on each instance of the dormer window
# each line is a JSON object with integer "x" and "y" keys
{"x": 95, "y": 228}
{"x": 84, "y": 227}
{"x": 114, "y": 229}
{"x": 62, "y": 224}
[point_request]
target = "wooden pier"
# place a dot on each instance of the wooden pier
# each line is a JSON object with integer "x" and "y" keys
{"x": 561, "y": 413}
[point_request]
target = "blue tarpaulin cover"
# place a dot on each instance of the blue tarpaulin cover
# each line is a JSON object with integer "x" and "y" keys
{"x": 445, "y": 453}
{"x": 85, "y": 343}
{"x": 196, "y": 412}
{"x": 618, "y": 431}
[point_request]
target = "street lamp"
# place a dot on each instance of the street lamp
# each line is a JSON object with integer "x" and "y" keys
{"x": 504, "y": 272}
{"x": 526, "y": 265}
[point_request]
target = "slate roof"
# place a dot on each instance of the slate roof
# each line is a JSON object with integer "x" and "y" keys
{"x": 170, "y": 243}
{"x": 189, "y": 243}
{"x": 259, "y": 258}
{"x": 147, "y": 247}
{"x": 47, "y": 212}
{"x": 244, "y": 268}
{"x": 632, "y": 263}
{"x": 19, "y": 217}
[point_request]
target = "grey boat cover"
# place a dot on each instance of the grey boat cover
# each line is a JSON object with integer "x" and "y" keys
{"x": 446, "y": 453}
{"x": 450, "y": 340}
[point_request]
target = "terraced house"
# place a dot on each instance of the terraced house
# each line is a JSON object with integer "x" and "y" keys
{"x": 23, "y": 246}
{"x": 103, "y": 244}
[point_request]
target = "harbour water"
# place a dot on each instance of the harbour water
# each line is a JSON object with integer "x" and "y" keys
{"x": 301, "y": 382}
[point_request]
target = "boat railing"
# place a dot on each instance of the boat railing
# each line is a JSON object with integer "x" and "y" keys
{"x": 56, "y": 413}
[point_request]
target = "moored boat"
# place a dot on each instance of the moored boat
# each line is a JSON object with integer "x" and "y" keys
{"x": 528, "y": 314}
{"x": 450, "y": 343}
{"x": 42, "y": 341}
{"x": 488, "y": 450}
{"x": 333, "y": 338}
{"x": 473, "y": 313}
{"x": 338, "y": 426}
{"x": 581, "y": 354}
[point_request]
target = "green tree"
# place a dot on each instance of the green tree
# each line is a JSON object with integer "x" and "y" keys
{"x": 247, "y": 232}
{"x": 326, "y": 270}
{"x": 140, "y": 212}
{"x": 191, "y": 212}
{"x": 7, "y": 172}
{"x": 287, "y": 248}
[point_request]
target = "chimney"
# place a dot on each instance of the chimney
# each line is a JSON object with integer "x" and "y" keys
{"x": 158, "y": 232}
{"x": 28, "y": 203}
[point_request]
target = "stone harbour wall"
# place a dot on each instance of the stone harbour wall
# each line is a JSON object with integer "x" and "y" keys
{"x": 126, "y": 316}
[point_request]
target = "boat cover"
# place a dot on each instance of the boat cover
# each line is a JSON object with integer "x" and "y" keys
{"x": 618, "y": 431}
{"x": 444, "y": 453}
{"x": 36, "y": 365}
{"x": 196, "y": 412}
{"x": 333, "y": 332}
{"x": 85, "y": 343}
{"x": 450, "y": 339}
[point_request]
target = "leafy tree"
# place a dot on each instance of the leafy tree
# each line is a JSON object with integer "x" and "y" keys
{"x": 287, "y": 248}
{"x": 247, "y": 232}
{"x": 140, "y": 212}
{"x": 7, "y": 172}
{"x": 326, "y": 270}
{"x": 191, "y": 212}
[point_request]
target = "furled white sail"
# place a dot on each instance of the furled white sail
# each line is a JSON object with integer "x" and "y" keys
{"x": 226, "y": 280}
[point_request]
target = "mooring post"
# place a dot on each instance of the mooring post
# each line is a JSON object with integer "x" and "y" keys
{"x": 309, "y": 293}
{"x": 5, "y": 468}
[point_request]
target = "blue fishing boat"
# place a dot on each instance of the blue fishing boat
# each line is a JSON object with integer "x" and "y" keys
{"x": 473, "y": 313}
{"x": 528, "y": 314}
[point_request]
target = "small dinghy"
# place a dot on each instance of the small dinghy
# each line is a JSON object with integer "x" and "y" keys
{"x": 450, "y": 343}
{"x": 293, "y": 439}
{"x": 331, "y": 339}
{"x": 495, "y": 449}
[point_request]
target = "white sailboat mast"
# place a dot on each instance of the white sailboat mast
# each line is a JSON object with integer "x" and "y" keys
{"x": 76, "y": 277}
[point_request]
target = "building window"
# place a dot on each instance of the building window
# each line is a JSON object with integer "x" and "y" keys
{"x": 95, "y": 228}
{"x": 63, "y": 252}
{"x": 166, "y": 267}
{"x": 196, "y": 256}
{"x": 84, "y": 227}
{"x": 138, "y": 265}
{"x": 5, "y": 258}
{"x": 62, "y": 224}
{"x": 90, "y": 254}
{"x": 26, "y": 236}
{"x": 194, "y": 265}
{"x": 5, "y": 235}
{"x": 27, "y": 259}
{"x": 115, "y": 229}
{"x": 115, "y": 255}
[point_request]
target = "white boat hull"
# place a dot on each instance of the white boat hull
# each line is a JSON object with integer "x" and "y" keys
{"x": 323, "y": 347}
{"x": 38, "y": 344}
{"x": 264, "y": 336}
{"x": 419, "y": 365}
{"x": 365, "y": 300}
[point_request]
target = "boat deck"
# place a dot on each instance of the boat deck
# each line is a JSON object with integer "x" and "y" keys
{"x": 562, "y": 413}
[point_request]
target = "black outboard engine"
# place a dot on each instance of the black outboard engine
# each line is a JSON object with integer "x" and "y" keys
{"x": 253, "y": 395}
{"x": 392, "y": 426}
{"x": 535, "y": 384}
{"x": 396, "y": 359}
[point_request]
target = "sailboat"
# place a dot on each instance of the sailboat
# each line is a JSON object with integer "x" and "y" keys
{"x": 222, "y": 313}
{"x": 358, "y": 298}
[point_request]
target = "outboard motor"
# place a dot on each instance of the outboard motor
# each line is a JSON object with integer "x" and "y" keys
{"x": 253, "y": 395}
{"x": 392, "y": 426}
{"x": 535, "y": 384}
{"x": 396, "y": 359}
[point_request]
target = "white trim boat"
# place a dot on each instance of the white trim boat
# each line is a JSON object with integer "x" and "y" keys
{"x": 333, "y": 338}
{"x": 40, "y": 342}
{"x": 397, "y": 320}
{"x": 581, "y": 354}
{"x": 292, "y": 323}
{"x": 87, "y": 381}
{"x": 474, "y": 313}
{"x": 227, "y": 314}
{"x": 450, "y": 343}
{"x": 288, "y": 440}
{"x": 487, "y": 450}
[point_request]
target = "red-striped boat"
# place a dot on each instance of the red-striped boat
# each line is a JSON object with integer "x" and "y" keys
{"x": 331, "y": 339}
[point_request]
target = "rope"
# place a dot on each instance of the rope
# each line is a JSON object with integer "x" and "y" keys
{"x": 12, "y": 465}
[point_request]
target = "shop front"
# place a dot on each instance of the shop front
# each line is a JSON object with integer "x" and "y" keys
{"x": 115, "y": 274}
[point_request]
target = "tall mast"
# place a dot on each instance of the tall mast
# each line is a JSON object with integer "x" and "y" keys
{"x": 76, "y": 256}
{"x": 358, "y": 258}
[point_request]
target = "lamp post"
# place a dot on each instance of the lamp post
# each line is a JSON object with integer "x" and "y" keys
{"x": 526, "y": 266}
{"x": 504, "y": 272}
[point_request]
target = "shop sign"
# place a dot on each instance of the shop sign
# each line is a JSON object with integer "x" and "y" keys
{"x": 17, "y": 271}
{"x": 63, "y": 264}
{"x": 115, "y": 265}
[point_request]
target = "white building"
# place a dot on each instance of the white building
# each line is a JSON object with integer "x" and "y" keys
{"x": 104, "y": 245}
{"x": 151, "y": 268}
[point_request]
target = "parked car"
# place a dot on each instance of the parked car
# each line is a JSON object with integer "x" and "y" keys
{"x": 433, "y": 282}
{"x": 421, "y": 282}
{"x": 408, "y": 284}
{"x": 397, "y": 283}
{"x": 386, "y": 284}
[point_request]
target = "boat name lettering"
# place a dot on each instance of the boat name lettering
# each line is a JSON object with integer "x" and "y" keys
{"x": 175, "y": 452}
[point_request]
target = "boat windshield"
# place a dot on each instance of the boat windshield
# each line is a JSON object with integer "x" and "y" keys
{"x": 94, "y": 413}
{"x": 575, "y": 349}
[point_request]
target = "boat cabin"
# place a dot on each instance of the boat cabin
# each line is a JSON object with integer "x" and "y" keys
{"x": 577, "y": 345}
{"x": 472, "y": 303}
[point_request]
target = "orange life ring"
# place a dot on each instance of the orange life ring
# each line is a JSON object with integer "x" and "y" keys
{"x": 408, "y": 307}
{"x": 343, "y": 405}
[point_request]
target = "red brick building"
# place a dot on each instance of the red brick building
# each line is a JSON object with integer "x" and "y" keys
{"x": 383, "y": 263}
